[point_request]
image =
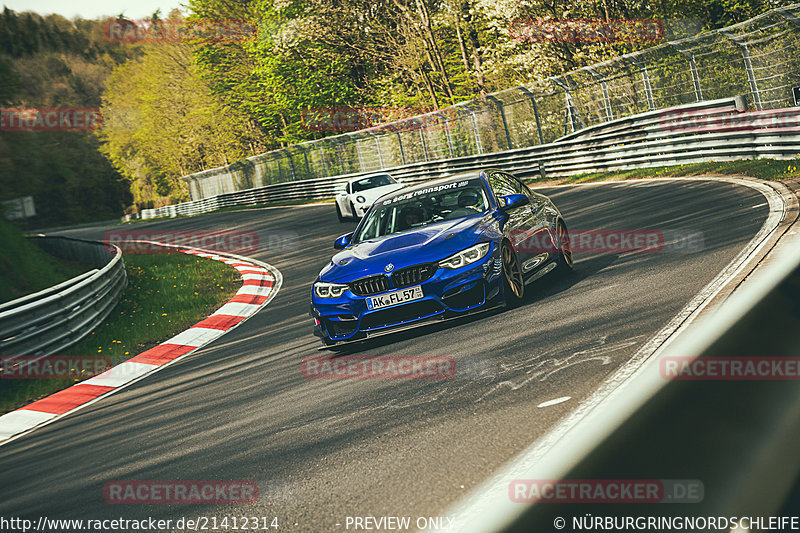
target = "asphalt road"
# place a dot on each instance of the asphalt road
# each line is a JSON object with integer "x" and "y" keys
{"x": 323, "y": 450}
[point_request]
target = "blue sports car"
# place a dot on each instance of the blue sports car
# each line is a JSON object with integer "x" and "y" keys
{"x": 438, "y": 250}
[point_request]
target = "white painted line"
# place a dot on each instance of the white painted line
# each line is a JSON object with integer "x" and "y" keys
{"x": 240, "y": 268}
{"x": 18, "y": 421}
{"x": 255, "y": 290}
{"x": 237, "y": 309}
{"x": 555, "y": 402}
{"x": 195, "y": 336}
{"x": 246, "y": 277}
{"x": 122, "y": 373}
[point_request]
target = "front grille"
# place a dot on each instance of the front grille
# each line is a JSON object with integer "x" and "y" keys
{"x": 413, "y": 275}
{"x": 370, "y": 285}
{"x": 401, "y": 313}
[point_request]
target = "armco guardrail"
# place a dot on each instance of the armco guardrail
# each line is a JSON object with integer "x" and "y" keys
{"x": 720, "y": 130}
{"x": 46, "y": 322}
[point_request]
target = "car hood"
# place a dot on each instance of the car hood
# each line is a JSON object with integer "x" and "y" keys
{"x": 429, "y": 243}
{"x": 376, "y": 192}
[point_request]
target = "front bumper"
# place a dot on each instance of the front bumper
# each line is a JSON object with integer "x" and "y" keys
{"x": 447, "y": 293}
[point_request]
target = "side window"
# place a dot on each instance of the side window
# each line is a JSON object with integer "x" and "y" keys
{"x": 502, "y": 184}
{"x": 518, "y": 186}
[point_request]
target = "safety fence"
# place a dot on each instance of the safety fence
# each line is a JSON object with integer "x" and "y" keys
{"x": 721, "y": 130}
{"x": 758, "y": 59}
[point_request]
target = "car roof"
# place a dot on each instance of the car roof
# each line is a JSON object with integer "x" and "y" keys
{"x": 472, "y": 174}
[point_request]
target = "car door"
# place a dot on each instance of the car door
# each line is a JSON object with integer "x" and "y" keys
{"x": 521, "y": 220}
{"x": 541, "y": 241}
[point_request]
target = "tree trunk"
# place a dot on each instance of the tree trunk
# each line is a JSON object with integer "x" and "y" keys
{"x": 477, "y": 60}
{"x": 426, "y": 22}
{"x": 462, "y": 44}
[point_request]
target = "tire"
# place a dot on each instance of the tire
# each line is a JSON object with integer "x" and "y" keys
{"x": 339, "y": 213}
{"x": 565, "y": 262}
{"x": 513, "y": 282}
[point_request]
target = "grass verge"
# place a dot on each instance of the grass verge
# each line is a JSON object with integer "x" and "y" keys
{"x": 166, "y": 294}
{"x": 25, "y": 268}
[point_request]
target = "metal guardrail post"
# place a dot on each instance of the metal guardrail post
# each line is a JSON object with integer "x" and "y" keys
{"x": 698, "y": 91}
{"x": 604, "y": 88}
{"x": 400, "y": 144}
{"x": 291, "y": 164}
{"x": 308, "y": 167}
{"x": 447, "y": 134}
{"x": 424, "y": 143}
{"x": 358, "y": 153}
{"x": 748, "y": 65}
{"x": 280, "y": 167}
{"x": 476, "y": 133}
{"x": 378, "y": 147}
{"x": 570, "y": 116}
{"x": 339, "y": 154}
{"x": 322, "y": 157}
{"x": 648, "y": 89}
{"x": 502, "y": 109}
{"x": 530, "y": 95}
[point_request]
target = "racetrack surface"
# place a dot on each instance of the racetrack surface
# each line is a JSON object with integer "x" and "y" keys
{"x": 322, "y": 450}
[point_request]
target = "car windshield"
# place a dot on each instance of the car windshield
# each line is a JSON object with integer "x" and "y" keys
{"x": 421, "y": 207}
{"x": 372, "y": 181}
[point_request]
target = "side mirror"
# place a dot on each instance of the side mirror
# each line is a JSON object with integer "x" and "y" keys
{"x": 343, "y": 241}
{"x": 513, "y": 201}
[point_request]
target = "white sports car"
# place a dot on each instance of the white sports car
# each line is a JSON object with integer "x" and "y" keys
{"x": 359, "y": 194}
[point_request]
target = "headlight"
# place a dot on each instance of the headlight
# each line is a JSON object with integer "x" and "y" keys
{"x": 465, "y": 257}
{"x": 360, "y": 199}
{"x": 329, "y": 290}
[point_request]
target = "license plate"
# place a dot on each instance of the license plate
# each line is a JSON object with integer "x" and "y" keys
{"x": 394, "y": 298}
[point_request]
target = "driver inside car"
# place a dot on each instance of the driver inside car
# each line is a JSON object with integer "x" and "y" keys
{"x": 410, "y": 216}
{"x": 468, "y": 200}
